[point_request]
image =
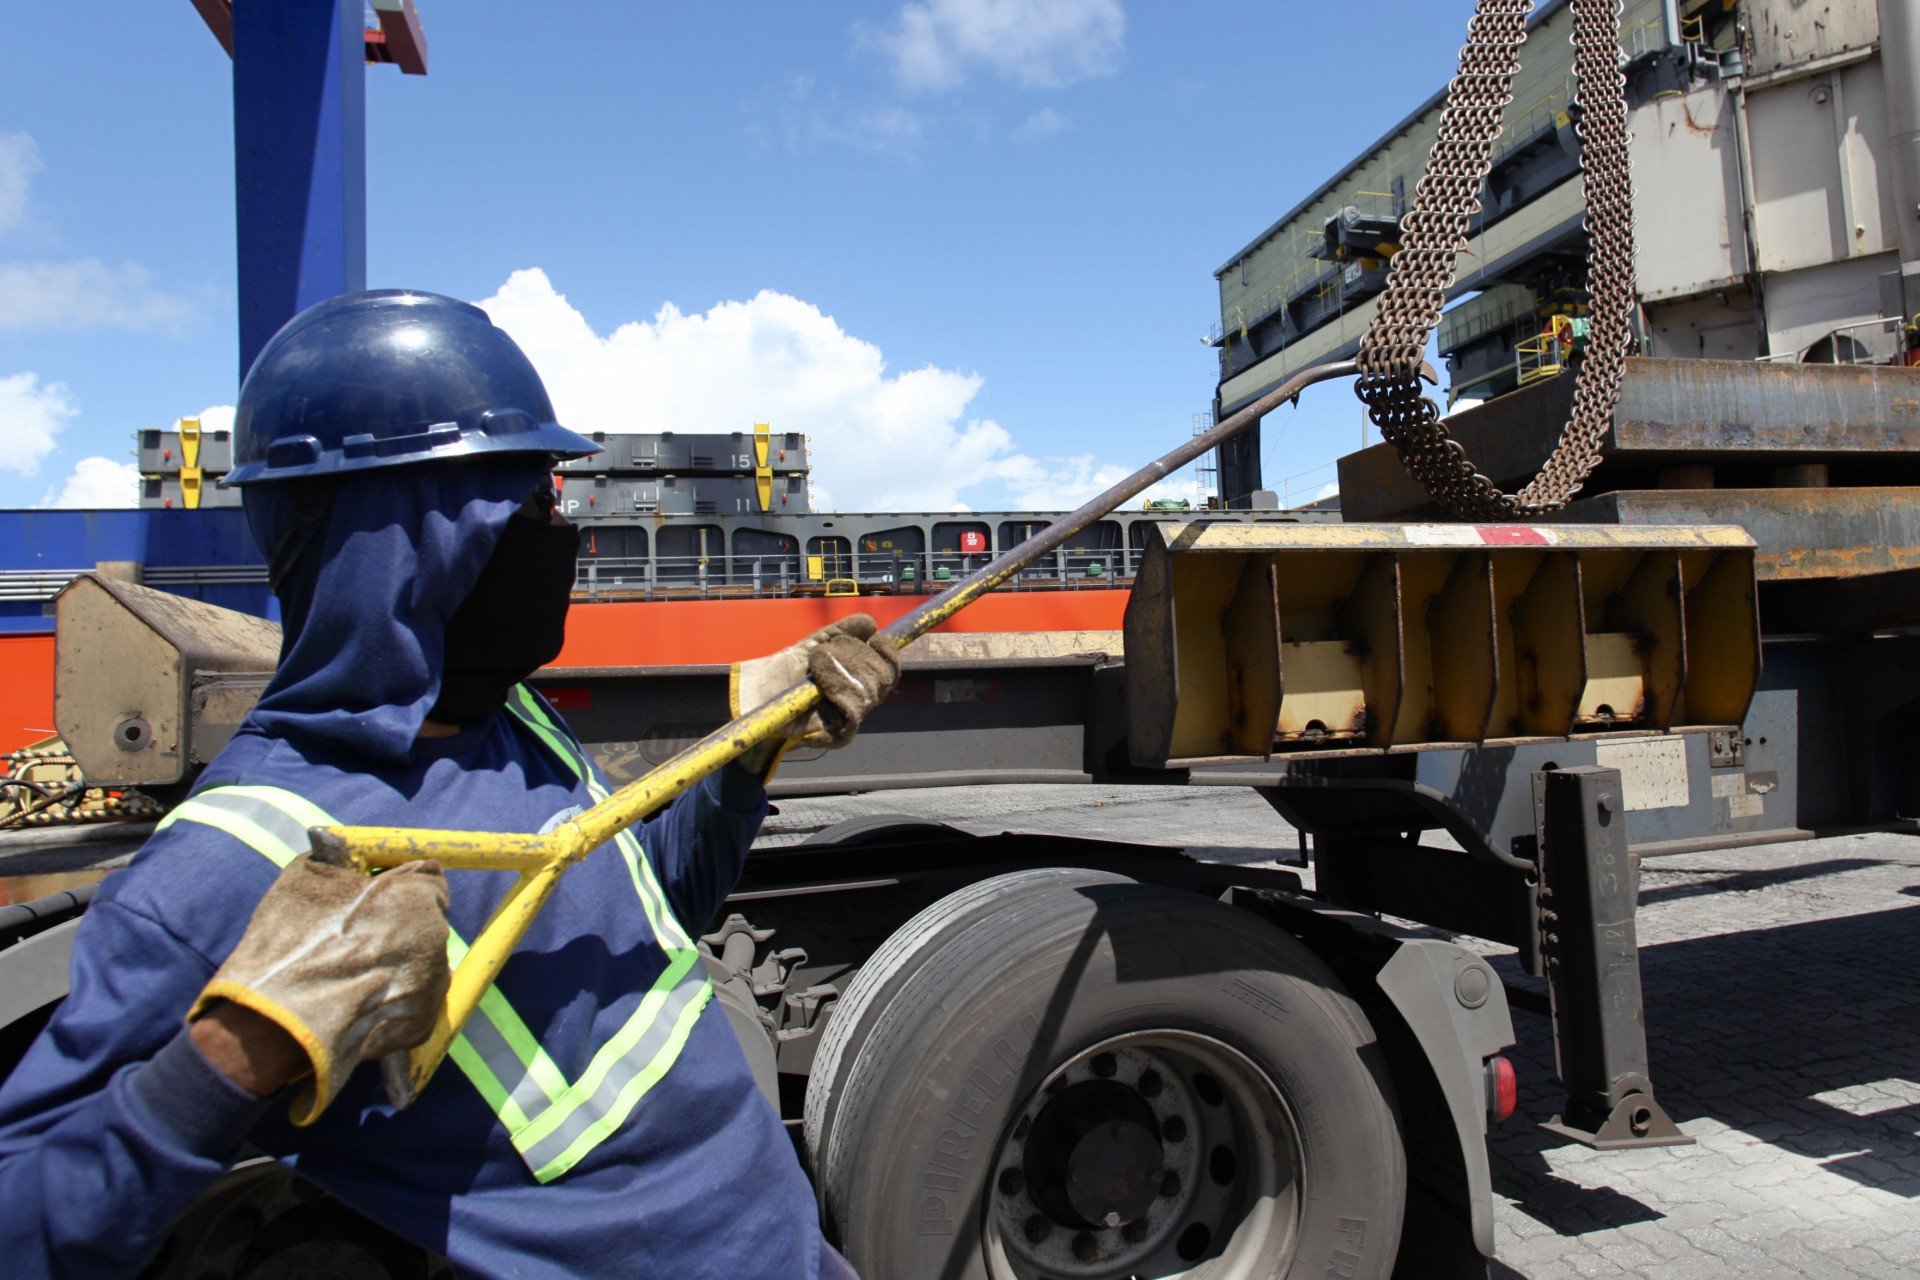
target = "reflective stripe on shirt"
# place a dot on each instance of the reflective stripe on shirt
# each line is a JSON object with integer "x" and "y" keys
{"x": 553, "y": 1122}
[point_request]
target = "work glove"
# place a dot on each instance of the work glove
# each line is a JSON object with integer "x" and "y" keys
{"x": 352, "y": 968}
{"x": 855, "y": 673}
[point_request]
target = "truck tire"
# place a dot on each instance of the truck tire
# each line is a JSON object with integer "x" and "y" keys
{"x": 1111, "y": 1079}
{"x": 880, "y": 977}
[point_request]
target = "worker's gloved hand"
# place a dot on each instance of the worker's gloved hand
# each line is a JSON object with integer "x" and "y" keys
{"x": 854, "y": 671}
{"x": 352, "y": 968}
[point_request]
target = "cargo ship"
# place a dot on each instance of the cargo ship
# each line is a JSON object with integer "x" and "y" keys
{"x": 696, "y": 549}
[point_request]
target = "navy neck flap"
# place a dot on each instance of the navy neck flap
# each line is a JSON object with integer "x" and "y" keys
{"x": 365, "y": 601}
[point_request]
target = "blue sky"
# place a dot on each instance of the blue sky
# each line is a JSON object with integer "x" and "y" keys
{"x": 966, "y": 244}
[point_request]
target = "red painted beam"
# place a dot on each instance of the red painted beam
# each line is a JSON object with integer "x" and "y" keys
{"x": 405, "y": 41}
{"x": 218, "y": 15}
{"x": 400, "y": 39}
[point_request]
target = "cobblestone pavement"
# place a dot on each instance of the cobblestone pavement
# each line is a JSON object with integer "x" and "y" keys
{"x": 1782, "y": 988}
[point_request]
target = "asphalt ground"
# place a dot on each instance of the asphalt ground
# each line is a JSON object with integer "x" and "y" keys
{"x": 1782, "y": 990}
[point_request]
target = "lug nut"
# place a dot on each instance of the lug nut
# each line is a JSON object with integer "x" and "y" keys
{"x": 1170, "y": 1184}
{"x": 1134, "y": 1232}
{"x": 1012, "y": 1182}
{"x": 1112, "y": 1219}
{"x": 1038, "y": 1228}
{"x": 1173, "y": 1129}
{"x": 1149, "y": 1084}
{"x": 1084, "y": 1246}
{"x": 1104, "y": 1066}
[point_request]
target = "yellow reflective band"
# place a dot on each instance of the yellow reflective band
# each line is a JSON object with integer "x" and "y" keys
{"x": 475, "y": 1068}
{"x": 639, "y": 1054}
{"x": 530, "y": 709}
{"x": 268, "y": 820}
{"x": 240, "y": 828}
{"x": 297, "y": 807}
{"x": 553, "y": 1123}
{"x": 666, "y": 926}
{"x": 536, "y": 1068}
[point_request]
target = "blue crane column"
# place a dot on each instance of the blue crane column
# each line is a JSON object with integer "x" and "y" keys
{"x": 300, "y": 159}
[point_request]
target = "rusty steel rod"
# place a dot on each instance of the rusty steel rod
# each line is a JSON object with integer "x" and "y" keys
{"x": 541, "y": 859}
{"x": 911, "y": 626}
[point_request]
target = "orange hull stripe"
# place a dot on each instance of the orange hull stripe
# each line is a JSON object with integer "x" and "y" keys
{"x": 26, "y": 689}
{"x": 693, "y": 632}
{"x": 646, "y": 634}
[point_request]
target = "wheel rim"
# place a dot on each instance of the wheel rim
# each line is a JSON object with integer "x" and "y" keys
{"x": 1156, "y": 1153}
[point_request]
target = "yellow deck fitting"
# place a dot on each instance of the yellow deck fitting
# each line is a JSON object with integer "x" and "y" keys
{"x": 763, "y": 464}
{"x": 190, "y": 463}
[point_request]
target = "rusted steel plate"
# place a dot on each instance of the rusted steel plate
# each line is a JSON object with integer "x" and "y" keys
{"x": 1801, "y": 533}
{"x": 1643, "y": 534}
{"x": 1733, "y": 414}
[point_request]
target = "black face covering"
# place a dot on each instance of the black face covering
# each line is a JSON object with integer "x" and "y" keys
{"x": 514, "y": 620}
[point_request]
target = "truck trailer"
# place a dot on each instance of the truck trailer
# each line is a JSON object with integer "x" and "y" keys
{"x": 1014, "y": 1056}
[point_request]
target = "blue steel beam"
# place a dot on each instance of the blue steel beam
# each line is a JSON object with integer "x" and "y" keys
{"x": 300, "y": 159}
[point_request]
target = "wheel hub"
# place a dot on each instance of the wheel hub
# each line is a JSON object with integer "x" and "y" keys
{"x": 1114, "y": 1173}
{"x": 1093, "y": 1157}
{"x": 1150, "y": 1154}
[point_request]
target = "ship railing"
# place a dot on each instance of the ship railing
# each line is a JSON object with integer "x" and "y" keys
{"x": 1881, "y": 341}
{"x": 27, "y": 585}
{"x": 872, "y": 573}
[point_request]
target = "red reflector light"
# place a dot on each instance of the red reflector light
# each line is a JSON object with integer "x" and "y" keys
{"x": 1503, "y": 1089}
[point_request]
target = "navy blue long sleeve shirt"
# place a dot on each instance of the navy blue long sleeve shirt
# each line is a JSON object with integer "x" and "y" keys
{"x": 113, "y": 1123}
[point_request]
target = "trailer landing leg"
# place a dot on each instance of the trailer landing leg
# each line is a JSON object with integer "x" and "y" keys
{"x": 1587, "y": 902}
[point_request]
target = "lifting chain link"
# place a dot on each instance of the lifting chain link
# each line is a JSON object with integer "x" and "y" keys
{"x": 1434, "y": 231}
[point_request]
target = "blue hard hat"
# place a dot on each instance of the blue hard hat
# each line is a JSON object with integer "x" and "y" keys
{"x": 387, "y": 378}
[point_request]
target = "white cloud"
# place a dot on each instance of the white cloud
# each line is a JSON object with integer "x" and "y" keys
{"x": 98, "y": 483}
{"x": 218, "y": 417}
{"x": 1040, "y": 44}
{"x": 809, "y": 118}
{"x": 19, "y": 161}
{"x": 86, "y": 293}
{"x": 1057, "y": 484}
{"x": 880, "y": 441}
{"x": 79, "y": 294}
{"x": 31, "y": 415}
{"x": 1043, "y": 123}
{"x": 1327, "y": 491}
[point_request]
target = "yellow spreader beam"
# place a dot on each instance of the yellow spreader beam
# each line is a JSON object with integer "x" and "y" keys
{"x": 541, "y": 859}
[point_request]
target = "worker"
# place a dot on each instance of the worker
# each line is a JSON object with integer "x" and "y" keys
{"x": 597, "y": 1117}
